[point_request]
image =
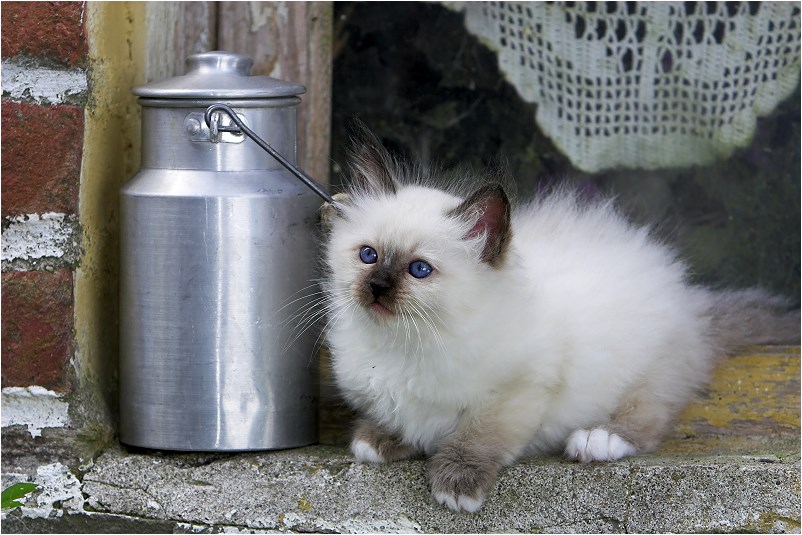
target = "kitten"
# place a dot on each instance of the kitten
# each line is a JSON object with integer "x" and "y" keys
{"x": 476, "y": 333}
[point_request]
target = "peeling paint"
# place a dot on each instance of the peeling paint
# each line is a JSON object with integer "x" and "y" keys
{"x": 755, "y": 392}
{"x": 59, "y": 491}
{"x": 43, "y": 85}
{"x": 34, "y": 407}
{"x": 117, "y": 38}
{"x": 32, "y": 237}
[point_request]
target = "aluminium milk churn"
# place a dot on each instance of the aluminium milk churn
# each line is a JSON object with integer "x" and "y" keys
{"x": 217, "y": 243}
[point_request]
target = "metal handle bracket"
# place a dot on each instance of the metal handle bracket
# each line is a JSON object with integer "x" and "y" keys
{"x": 219, "y": 131}
{"x": 239, "y": 127}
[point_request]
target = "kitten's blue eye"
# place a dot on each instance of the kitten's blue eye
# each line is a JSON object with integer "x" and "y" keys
{"x": 368, "y": 255}
{"x": 420, "y": 269}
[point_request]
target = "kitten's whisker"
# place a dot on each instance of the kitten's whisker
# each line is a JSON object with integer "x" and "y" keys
{"x": 306, "y": 317}
{"x": 334, "y": 315}
{"x": 310, "y": 319}
{"x": 397, "y": 329}
{"x": 311, "y": 309}
{"x": 423, "y": 313}
{"x": 309, "y": 316}
{"x": 304, "y": 296}
{"x": 406, "y": 330}
{"x": 323, "y": 298}
{"x": 419, "y": 350}
{"x": 431, "y": 310}
{"x": 340, "y": 311}
{"x": 302, "y": 329}
{"x": 313, "y": 285}
{"x": 309, "y": 306}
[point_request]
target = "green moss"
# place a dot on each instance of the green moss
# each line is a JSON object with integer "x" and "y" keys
{"x": 304, "y": 504}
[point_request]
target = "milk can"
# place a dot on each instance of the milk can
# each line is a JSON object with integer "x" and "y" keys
{"x": 217, "y": 255}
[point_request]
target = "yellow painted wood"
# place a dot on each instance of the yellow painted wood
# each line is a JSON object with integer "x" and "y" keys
{"x": 117, "y": 36}
{"x": 756, "y": 392}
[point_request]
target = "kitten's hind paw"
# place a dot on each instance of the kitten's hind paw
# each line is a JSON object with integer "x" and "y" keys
{"x": 597, "y": 445}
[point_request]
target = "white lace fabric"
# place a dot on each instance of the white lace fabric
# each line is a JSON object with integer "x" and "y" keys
{"x": 644, "y": 84}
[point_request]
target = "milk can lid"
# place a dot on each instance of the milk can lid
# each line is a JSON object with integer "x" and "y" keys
{"x": 217, "y": 74}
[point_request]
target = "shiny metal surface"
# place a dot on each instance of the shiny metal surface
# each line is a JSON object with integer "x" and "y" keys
{"x": 217, "y": 244}
{"x": 219, "y": 75}
{"x": 166, "y": 145}
{"x": 217, "y": 115}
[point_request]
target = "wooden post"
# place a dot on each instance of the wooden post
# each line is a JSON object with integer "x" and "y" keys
{"x": 196, "y": 30}
{"x": 174, "y": 31}
{"x": 291, "y": 41}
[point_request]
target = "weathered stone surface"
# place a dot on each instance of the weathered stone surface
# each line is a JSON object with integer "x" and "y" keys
{"x": 91, "y": 523}
{"x": 321, "y": 490}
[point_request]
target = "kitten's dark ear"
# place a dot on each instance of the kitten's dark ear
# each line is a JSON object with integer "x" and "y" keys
{"x": 328, "y": 213}
{"x": 488, "y": 209}
{"x": 372, "y": 167}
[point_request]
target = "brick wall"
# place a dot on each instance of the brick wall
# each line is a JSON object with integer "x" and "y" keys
{"x": 44, "y": 84}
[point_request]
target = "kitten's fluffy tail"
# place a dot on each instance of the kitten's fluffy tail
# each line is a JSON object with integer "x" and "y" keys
{"x": 741, "y": 318}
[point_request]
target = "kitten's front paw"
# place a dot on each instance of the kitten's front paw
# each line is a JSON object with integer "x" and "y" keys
{"x": 365, "y": 453}
{"x": 460, "y": 479}
{"x": 459, "y": 503}
{"x": 597, "y": 445}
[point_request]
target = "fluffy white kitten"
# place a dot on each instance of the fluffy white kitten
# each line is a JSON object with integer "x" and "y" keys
{"x": 476, "y": 333}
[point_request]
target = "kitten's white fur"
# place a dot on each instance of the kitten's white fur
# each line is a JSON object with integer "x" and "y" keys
{"x": 585, "y": 309}
{"x": 365, "y": 453}
{"x": 588, "y": 322}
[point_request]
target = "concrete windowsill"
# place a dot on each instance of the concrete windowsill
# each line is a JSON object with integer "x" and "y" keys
{"x": 321, "y": 489}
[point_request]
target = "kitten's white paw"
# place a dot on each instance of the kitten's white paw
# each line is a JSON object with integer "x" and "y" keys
{"x": 597, "y": 445}
{"x": 459, "y": 503}
{"x": 470, "y": 505}
{"x": 365, "y": 453}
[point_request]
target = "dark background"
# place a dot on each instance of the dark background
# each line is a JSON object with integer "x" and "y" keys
{"x": 434, "y": 94}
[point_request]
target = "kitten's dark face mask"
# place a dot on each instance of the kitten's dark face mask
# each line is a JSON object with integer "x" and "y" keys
{"x": 384, "y": 287}
{"x": 387, "y": 276}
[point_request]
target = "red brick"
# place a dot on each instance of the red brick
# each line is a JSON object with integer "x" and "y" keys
{"x": 51, "y": 30}
{"x": 37, "y": 329}
{"x": 41, "y": 158}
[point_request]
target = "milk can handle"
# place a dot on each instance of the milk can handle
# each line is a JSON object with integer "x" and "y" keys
{"x": 239, "y": 127}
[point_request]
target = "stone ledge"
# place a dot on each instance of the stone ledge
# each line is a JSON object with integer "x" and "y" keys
{"x": 321, "y": 489}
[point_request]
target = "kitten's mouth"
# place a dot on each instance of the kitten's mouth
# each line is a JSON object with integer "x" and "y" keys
{"x": 380, "y": 309}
